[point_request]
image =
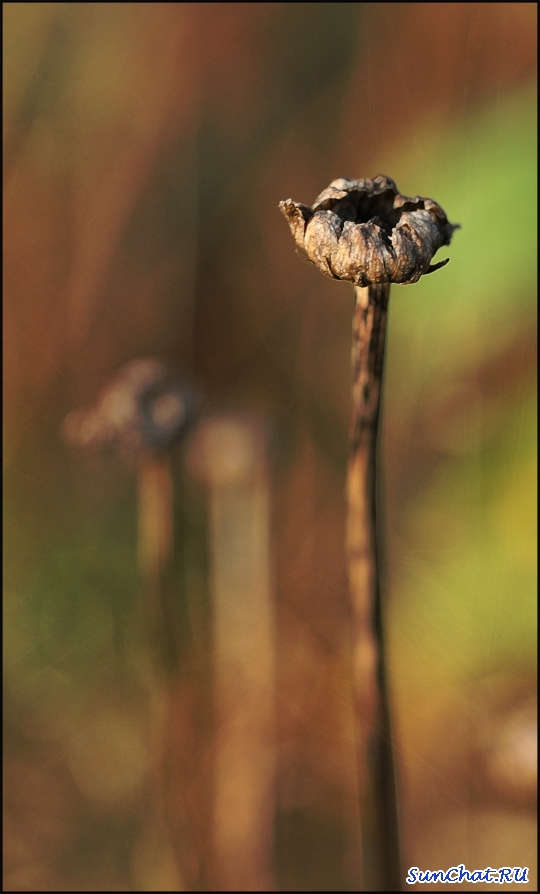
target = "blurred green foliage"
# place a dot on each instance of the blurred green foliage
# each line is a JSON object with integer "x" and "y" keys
{"x": 466, "y": 604}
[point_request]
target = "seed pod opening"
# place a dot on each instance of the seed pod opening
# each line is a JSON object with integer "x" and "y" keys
{"x": 365, "y": 232}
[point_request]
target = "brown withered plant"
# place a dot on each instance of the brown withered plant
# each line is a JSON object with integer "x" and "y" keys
{"x": 365, "y": 232}
{"x": 141, "y": 416}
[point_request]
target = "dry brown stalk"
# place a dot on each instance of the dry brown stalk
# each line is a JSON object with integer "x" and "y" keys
{"x": 375, "y": 760}
{"x": 365, "y": 232}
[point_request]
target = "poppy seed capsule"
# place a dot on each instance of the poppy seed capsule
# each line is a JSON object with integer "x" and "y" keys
{"x": 143, "y": 408}
{"x": 365, "y": 232}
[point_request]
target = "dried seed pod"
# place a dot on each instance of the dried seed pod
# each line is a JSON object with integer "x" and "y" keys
{"x": 143, "y": 408}
{"x": 365, "y": 232}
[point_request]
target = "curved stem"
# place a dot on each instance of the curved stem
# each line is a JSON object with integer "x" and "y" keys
{"x": 375, "y": 762}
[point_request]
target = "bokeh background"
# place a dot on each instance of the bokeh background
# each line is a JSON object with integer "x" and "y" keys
{"x": 146, "y": 148}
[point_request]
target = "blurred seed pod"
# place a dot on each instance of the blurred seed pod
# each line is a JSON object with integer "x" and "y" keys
{"x": 144, "y": 408}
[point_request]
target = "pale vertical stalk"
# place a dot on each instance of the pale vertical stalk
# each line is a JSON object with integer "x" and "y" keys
{"x": 154, "y": 514}
{"x": 243, "y": 657}
{"x": 177, "y": 692}
{"x": 375, "y": 763}
{"x": 154, "y": 549}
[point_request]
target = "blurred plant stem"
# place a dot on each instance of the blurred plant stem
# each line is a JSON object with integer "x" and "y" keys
{"x": 154, "y": 545}
{"x": 230, "y": 456}
{"x": 180, "y": 801}
{"x": 375, "y": 762}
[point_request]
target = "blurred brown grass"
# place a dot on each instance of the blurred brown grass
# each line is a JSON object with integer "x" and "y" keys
{"x": 146, "y": 147}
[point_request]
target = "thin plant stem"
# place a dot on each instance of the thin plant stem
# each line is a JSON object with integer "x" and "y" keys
{"x": 375, "y": 762}
{"x": 154, "y": 547}
{"x": 229, "y": 454}
{"x": 365, "y": 231}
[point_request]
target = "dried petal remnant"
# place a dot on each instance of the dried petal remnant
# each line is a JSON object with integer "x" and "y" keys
{"x": 365, "y": 232}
